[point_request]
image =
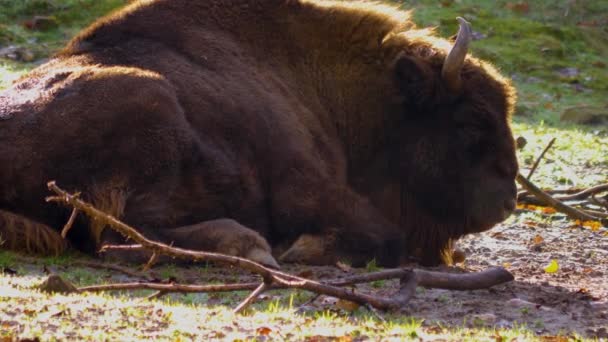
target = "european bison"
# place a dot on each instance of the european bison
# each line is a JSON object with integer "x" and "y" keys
{"x": 328, "y": 130}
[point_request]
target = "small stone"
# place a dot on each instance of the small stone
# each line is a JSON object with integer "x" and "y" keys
{"x": 55, "y": 283}
{"x": 521, "y": 142}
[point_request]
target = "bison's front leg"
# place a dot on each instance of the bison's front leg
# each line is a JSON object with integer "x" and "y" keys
{"x": 337, "y": 224}
{"x": 224, "y": 236}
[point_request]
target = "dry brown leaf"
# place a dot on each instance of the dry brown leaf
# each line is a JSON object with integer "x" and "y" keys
{"x": 537, "y": 240}
{"x": 347, "y": 305}
{"x": 497, "y": 235}
{"x": 264, "y": 331}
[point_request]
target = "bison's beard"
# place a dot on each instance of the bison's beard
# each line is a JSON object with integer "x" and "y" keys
{"x": 429, "y": 238}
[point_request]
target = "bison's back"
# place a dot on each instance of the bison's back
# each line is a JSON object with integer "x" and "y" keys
{"x": 86, "y": 125}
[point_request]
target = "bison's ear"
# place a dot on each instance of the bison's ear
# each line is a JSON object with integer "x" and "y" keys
{"x": 415, "y": 79}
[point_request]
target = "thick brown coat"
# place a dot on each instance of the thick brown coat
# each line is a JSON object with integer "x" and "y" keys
{"x": 221, "y": 124}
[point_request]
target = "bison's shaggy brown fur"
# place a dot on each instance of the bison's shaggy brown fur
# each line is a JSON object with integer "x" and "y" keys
{"x": 222, "y": 124}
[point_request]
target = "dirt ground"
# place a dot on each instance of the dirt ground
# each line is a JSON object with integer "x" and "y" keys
{"x": 573, "y": 300}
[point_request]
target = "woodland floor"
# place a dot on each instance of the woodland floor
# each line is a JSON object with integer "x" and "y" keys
{"x": 572, "y": 302}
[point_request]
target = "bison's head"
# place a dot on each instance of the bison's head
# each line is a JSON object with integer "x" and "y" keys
{"x": 457, "y": 154}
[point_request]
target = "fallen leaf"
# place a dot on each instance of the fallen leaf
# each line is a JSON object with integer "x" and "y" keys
{"x": 264, "y": 331}
{"x": 593, "y": 225}
{"x": 587, "y": 270}
{"x": 217, "y": 334}
{"x": 506, "y": 264}
{"x": 538, "y": 240}
{"x": 553, "y": 267}
{"x": 347, "y": 305}
{"x": 29, "y": 312}
{"x": 548, "y": 210}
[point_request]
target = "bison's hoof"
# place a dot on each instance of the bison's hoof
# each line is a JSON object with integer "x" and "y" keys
{"x": 262, "y": 257}
{"x": 307, "y": 249}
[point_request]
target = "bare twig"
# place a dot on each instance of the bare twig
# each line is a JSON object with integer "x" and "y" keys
{"x": 599, "y": 202}
{"x": 70, "y": 223}
{"x": 251, "y": 298}
{"x": 277, "y": 279}
{"x": 540, "y": 157}
{"x": 152, "y": 261}
{"x": 585, "y": 193}
{"x": 135, "y": 247}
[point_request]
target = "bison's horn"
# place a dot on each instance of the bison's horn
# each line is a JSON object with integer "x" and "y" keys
{"x": 455, "y": 59}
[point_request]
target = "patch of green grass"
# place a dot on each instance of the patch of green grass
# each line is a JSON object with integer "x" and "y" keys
{"x": 7, "y": 259}
{"x": 71, "y": 15}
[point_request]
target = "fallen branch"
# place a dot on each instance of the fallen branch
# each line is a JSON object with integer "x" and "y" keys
{"x": 428, "y": 279}
{"x": 170, "y": 288}
{"x": 552, "y": 202}
{"x": 277, "y": 279}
